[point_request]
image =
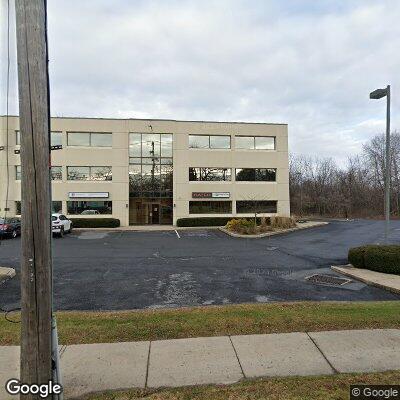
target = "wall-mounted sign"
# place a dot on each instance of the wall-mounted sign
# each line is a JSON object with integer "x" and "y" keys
{"x": 81, "y": 195}
{"x": 211, "y": 195}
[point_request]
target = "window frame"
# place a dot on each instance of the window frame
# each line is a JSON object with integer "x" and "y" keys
{"x": 252, "y": 210}
{"x": 18, "y": 172}
{"x": 90, "y": 139}
{"x": 254, "y": 137}
{"x": 192, "y": 202}
{"x": 89, "y": 173}
{"x": 200, "y": 174}
{"x": 106, "y": 204}
{"x": 209, "y": 142}
{"x": 51, "y": 173}
{"x": 255, "y": 175}
{"x": 51, "y": 138}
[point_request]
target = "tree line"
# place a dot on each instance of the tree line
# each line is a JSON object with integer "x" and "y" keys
{"x": 319, "y": 186}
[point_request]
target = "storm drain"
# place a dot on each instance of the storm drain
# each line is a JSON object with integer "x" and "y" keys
{"x": 327, "y": 279}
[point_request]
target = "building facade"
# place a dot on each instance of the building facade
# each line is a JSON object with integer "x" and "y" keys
{"x": 155, "y": 171}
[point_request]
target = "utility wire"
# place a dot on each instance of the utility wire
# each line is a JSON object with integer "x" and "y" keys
{"x": 7, "y": 112}
{"x": 7, "y": 312}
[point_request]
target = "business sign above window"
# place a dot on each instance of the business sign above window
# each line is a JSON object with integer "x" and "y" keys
{"x": 81, "y": 195}
{"x": 211, "y": 195}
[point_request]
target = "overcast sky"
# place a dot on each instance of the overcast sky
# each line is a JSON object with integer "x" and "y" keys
{"x": 307, "y": 63}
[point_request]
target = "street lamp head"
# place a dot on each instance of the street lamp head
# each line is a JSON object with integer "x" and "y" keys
{"x": 378, "y": 94}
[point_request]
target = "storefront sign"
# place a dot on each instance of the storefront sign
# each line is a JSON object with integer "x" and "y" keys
{"x": 211, "y": 195}
{"x": 81, "y": 195}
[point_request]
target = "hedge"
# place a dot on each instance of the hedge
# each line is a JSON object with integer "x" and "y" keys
{"x": 95, "y": 222}
{"x": 206, "y": 221}
{"x": 380, "y": 258}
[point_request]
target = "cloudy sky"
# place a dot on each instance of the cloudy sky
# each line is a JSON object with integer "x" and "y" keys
{"x": 307, "y": 63}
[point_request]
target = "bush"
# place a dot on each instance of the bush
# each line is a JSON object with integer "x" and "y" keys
{"x": 202, "y": 221}
{"x": 95, "y": 222}
{"x": 380, "y": 258}
{"x": 241, "y": 225}
{"x": 356, "y": 256}
{"x": 282, "y": 222}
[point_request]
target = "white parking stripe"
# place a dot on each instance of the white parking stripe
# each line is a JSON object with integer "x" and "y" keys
{"x": 177, "y": 234}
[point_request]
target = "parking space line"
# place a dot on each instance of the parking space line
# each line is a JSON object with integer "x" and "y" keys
{"x": 177, "y": 234}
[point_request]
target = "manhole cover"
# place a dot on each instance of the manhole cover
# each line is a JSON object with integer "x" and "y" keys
{"x": 327, "y": 279}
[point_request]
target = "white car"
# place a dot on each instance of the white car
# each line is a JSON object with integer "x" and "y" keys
{"x": 60, "y": 224}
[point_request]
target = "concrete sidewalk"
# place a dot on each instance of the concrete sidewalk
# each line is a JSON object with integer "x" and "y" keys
{"x": 382, "y": 280}
{"x": 215, "y": 360}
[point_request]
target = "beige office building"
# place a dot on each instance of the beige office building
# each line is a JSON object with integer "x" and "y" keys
{"x": 155, "y": 171}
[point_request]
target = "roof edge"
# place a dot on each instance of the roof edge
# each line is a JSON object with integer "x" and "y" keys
{"x": 162, "y": 120}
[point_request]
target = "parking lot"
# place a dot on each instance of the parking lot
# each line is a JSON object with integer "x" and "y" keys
{"x": 127, "y": 270}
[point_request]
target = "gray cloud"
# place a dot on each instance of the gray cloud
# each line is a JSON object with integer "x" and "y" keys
{"x": 310, "y": 64}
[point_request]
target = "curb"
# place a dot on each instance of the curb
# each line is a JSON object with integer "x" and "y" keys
{"x": 372, "y": 278}
{"x": 123, "y": 229}
{"x": 266, "y": 234}
{"x": 6, "y": 274}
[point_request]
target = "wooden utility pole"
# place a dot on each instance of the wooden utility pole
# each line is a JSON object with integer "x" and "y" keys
{"x": 36, "y": 275}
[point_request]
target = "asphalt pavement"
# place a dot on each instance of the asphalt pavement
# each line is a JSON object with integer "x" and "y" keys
{"x": 128, "y": 270}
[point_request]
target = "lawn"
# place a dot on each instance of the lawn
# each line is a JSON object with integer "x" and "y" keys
{"x": 105, "y": 327}
{"x": 333, "y": 387}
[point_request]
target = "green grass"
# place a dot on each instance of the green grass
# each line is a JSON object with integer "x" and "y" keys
{"x": 334, "y": 387}
{"x": 104, "y": 327}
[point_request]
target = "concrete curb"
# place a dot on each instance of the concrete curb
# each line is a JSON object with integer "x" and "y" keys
{"x": 381, "y": 280}
{"x": 6, "y": 274}
{"x": 144, "y": 229}
{"x": 266, "y": 234}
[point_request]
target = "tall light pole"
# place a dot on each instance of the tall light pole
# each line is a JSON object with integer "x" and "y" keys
{"x": 378, "y": 94}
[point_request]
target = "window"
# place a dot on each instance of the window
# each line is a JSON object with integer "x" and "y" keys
{"x": 220, "y": 142}
{"x": 150, "y": 145}
{"x": 56, "y": 138}
{"x": 255, "y": 142}
{"x": 89, "y": 173}
{"x": 89, "y": 207}
{"x": 264, "y": 143}
{"x": 89, "y": 139}
{"x": 100, "y": 173}
{"x": 17, "y": 172}
{"x": 101, "y": 139}
{"x": 151, "y": 164}
{"x": 258, "y": 206}
{"x": 56, "y": 207}
{"x": 209, "y": 142}
{"x": 56, "y": 173}
{"x": 209, "y": 174}
{"x": 256, "y": 174}
{"x": 210, "y": 207}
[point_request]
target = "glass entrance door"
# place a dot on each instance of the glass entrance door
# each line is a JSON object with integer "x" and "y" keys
{"x": 150, "y": 211}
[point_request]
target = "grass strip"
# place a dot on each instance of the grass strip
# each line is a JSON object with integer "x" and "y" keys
{"x": 106, "y": 327}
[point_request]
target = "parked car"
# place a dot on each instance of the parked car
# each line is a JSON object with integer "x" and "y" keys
{"x": 10, "y": 227}
{"x": 90, "y": 212}
{"x": 60, "y": 224}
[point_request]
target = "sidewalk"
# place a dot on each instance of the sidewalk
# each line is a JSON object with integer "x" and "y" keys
{"x": 215, "y": 360}
{"x": 146, "y": 228}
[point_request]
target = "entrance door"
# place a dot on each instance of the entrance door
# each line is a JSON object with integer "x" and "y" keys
{"x": 155, "y": 214}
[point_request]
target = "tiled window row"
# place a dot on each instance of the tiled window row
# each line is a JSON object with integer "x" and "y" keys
{"x": 225, "y": 207}
{"x": 76, "y": 173}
